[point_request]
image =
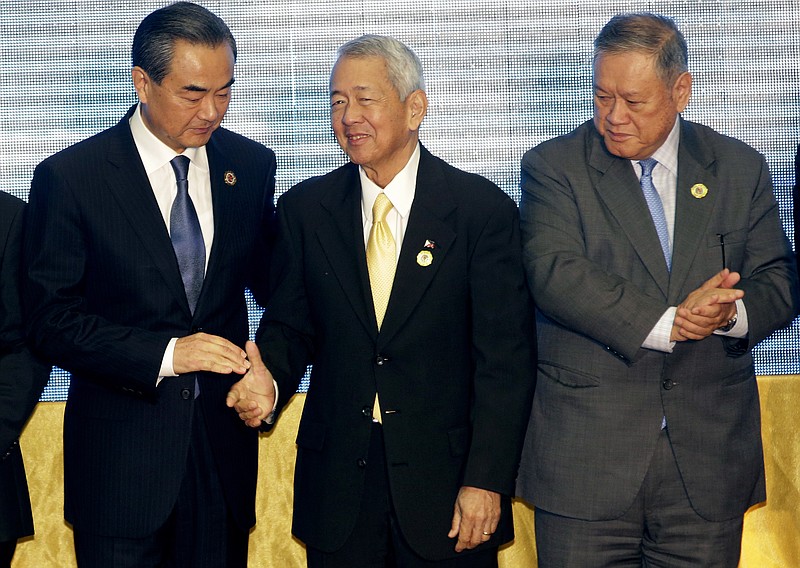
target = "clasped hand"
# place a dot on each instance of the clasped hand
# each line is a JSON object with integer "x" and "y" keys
{"x": 707, "y": 308}
{"x": 253, "y": 397}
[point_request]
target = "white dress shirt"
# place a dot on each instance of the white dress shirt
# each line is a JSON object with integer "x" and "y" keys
{"x": 665, "y": 180}
{"x": 156, "y": 157}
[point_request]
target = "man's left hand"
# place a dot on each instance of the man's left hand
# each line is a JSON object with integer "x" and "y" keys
{"x": 475, "y": 517}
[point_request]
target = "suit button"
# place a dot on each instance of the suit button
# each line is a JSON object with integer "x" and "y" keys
{"x": 186, "y": 394}
{"x": 367, "y": 411}
{"x": 361, "y": 462}
{"x": 380, "y": 360}
{"x": 197, "y": 329}
{"x": 668, "y": 384}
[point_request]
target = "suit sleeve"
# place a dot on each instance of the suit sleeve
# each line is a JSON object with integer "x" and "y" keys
{"x": 285, "y": 334}
{"x": 503, "y": 353}
{"x": 60, "y": 323}
{"x": 769, "y": 275}
{"x": 22, "y": 376}
{"x": 568, "y": 286}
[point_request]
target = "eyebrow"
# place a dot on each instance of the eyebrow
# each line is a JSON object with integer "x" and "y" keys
{"x": 357, "y": 88}
{"x": 199, "y": 89}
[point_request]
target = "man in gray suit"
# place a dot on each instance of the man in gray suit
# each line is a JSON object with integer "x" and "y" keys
{"x": 644, "y": 443}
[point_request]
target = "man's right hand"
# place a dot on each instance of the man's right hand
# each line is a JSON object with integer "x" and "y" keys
{"x": 204, "y": 352}
{"x": 253, "y": 397}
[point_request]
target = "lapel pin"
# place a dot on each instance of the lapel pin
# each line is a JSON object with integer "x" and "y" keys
{"x": 230, "y": 178}
{"x": 424, "y": 258}
{"x": 430, "y": 244}
{"x": 699, "y": 191}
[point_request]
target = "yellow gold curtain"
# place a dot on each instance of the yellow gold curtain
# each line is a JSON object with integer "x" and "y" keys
{"x": 770, "y": 537}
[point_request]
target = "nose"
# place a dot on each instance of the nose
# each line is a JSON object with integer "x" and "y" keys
{"x": 618, "y": 113}
{"x": 208, "y": 109}
{"x": 351, "y": 115}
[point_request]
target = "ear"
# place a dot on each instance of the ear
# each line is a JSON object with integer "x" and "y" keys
{"x": 416, "y": 108}
{"x": 682, "y": 90}
{"x": 141, "y": 82}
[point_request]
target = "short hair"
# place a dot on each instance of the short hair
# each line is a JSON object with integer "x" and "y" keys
{"x": 154, "y": 41}
{"x": 402, "y": 65}
{"x": 652, "y": 34}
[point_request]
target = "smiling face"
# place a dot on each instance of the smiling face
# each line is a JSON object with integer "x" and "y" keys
{"x": 373, "y": 126}
{"x": 634, "y": 110}
{"x": 191, "y": 101}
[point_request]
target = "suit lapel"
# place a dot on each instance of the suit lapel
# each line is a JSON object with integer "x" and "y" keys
{"x": 432, "y": 204}
{"x": 341, "y": 237}
{"x": 619, "y": 189}
{"x": 128, "y": 183}
{"x": 692, "y": 214}
{"x": 223, "y": 197}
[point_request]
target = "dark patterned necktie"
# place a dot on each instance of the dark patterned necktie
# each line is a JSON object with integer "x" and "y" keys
{"x": 187, "y": 238}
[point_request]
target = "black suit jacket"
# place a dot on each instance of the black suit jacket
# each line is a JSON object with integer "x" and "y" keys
{"x": 452, "y": 361}
{"x": 598, "y": 274}
{"x": 22, "y": 377}
{"x": 104, "y": 298}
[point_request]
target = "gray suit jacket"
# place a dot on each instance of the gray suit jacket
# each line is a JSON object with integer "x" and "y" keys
{"x": 597, "y": 273}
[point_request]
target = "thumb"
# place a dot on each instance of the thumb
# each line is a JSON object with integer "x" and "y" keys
{"x": 253, "y": 354}
{"x": 455, "y": 525}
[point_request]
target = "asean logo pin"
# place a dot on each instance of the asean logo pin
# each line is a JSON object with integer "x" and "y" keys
{"x": 230, "y": 178}
{"x": 699, "y": 191}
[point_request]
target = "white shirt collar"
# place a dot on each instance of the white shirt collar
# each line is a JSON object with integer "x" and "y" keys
{"x": 400, "y": 190}
{"x": 667, "y": 153}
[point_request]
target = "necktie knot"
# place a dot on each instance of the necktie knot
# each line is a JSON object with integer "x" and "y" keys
{"x": 381, "y": 208}
{"x": 180, "y": 165}
{"x": 647, "y": 166}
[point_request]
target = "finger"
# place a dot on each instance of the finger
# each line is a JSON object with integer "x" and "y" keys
{"x": 716, "y": 280}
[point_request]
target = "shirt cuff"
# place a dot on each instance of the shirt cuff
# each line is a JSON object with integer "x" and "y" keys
{"x": 741, "y": 327}
{"x": 167, "y": 370}
{"x": 270, "y": 419}
{"x": 658, "y": 338}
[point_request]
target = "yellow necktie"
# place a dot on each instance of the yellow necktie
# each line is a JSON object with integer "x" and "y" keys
{"x": 381, "y": 264}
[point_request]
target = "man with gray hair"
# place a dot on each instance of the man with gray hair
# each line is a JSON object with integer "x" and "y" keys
{"x": 657, "y": 259}
{"x": 400, "y": 278}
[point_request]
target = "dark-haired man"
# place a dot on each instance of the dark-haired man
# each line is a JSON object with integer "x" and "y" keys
{"x": 657, "y": 259}
{"x": 140, "y": 244}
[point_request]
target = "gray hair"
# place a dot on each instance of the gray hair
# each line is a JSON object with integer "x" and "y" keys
{"x": 154, "y": 41}
{"x": 652, "y": 34}
{"x": 402, "y": 65}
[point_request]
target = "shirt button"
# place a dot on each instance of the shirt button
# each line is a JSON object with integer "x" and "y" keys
{"x": 361, "y": 462}
{"x": 186, "y": 394}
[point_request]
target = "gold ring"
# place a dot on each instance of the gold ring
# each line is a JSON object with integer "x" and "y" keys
{"x": 486, "y": 534}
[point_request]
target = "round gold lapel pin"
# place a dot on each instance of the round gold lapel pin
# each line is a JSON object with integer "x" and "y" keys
{"x": 230, "y": 178}
{"x": 424, "y": 258}
{"x": 699, "y": 191}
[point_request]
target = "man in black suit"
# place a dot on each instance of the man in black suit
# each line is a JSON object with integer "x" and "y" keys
{"x": 410, "y": 437}
{"x": 22, "y": 378}
{"x": 657, "y": 259}
{"x": 138, "y": 261}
